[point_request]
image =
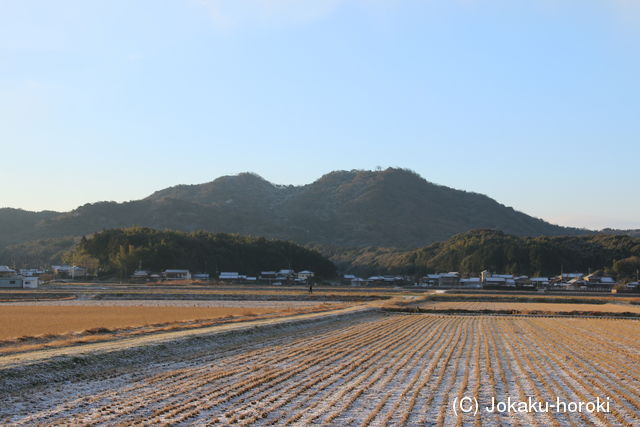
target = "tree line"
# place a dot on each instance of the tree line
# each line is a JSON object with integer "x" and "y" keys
{"x": 474, "y": 251}
{"x": 121, "y": 251}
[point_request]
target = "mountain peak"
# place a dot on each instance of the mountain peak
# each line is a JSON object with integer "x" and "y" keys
{"x": 393, "y": 207}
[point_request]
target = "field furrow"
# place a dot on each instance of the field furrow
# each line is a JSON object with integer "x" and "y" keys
{"x": 400, "y": 369}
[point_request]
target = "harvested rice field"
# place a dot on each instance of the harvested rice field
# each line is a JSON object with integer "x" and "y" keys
{"x": 45, "y": 319}
{"x": 376, "y": 369}
{"x": 525, "y": 307}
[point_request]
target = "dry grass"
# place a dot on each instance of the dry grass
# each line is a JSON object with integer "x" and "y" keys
{"x": 26, "y": 343}
{"x": 28, "y": 320}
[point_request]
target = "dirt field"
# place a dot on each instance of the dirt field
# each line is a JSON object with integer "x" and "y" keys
{"x": 42, "y": 319}
{"x": 382, "y": 369}
{"x": 176, "y": 303}
{"x": 524, "y": 307}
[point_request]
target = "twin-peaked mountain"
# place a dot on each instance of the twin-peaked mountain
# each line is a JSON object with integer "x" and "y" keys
{"x": 390, "y": 208}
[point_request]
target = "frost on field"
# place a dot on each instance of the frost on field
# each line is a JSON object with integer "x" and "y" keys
{"x": 396, "y": 369}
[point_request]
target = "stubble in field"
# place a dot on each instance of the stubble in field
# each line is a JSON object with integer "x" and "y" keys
{"x": 31, "y": 320}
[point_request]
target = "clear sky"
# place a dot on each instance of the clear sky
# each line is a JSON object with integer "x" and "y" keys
{"x": 534, "y": 103}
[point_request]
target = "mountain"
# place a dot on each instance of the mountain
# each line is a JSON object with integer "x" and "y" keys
{"x": 394, "y": 207}
{"x": 390, "y": 208}
{"x": 17, "y": 225}
{"x": 471, "y": 252}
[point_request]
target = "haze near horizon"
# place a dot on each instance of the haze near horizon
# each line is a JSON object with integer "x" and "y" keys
{"x": 534, "y": 105}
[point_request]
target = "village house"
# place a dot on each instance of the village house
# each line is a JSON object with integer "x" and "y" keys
{"x": 471, "y": 282}
{"x": 348, "y": 278}
{"x": 6, "y": 271}
{"x": 230, "y": 276}
{"x": 353, "y": 280}
{"x": 140, "y": 275}
{"x": 305, "y": 275}
{"x": 633, "y": 286}
{"x": 497, "y": 281}
{"x": 387, "y": 280}
{"x": 176, "y": 274}
{"x": 19, "y": 282}
{"x": 596, "y": 281}
{"x": 69, "y": 271}
{"x": 9, "y": 279}
{"x": 31, "y": 272}
{"x": 431, "y": 280}
{"x": 564, "y": 278}
{"x": 449, "y": 280}
{"x": 286, "y": 275}
{"x": 358, "y": 281}
{"x": 540, "y": 282}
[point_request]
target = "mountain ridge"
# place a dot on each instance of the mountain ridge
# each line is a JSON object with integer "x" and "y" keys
{"x": 357, "y": 208}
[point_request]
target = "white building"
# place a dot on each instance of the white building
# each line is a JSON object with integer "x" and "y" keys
{"x": 6, "y": 271}
{"x": 230, "y": 275}
{"x": 176, "y": 274}
{"x": 31, "y": 272}
{"x": 305, "y": 275}
{"x": 19, "y": 282}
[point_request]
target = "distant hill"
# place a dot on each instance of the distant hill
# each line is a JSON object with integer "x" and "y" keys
{"x": 120, "y": 251}
{"x": 390, "y": 208}
{"x": 632, "y": 233}
{"x": 394, "y": 207}
{"x": 477, "y": 250}
{"x": 18, "y": 225}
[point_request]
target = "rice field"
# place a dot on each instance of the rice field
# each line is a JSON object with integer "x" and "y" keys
{"x": 524, "y": 307}
{"x": 399, "y": 369}
{"x": 43, "y": 319}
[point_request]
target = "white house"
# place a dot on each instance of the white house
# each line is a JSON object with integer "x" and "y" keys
{"x": 31, "y": 272}
{"x": 497, "y": 280}
{"x": 305, "y": 275}
{"x": 30, "y": 282}
{"x": 268, "y": 275}
{"x": 6, "y": 271}
{"x": 176, "y": 274}
{"x": 19, "y": 282}
{"x": 230, "y": 275}
{"x": 633, "y": 285}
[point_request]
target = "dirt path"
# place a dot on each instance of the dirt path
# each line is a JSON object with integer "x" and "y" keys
{"x": 28, "y": 358}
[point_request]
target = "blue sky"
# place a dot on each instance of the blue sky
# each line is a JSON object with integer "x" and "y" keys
{"x": 534, "y": 103}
